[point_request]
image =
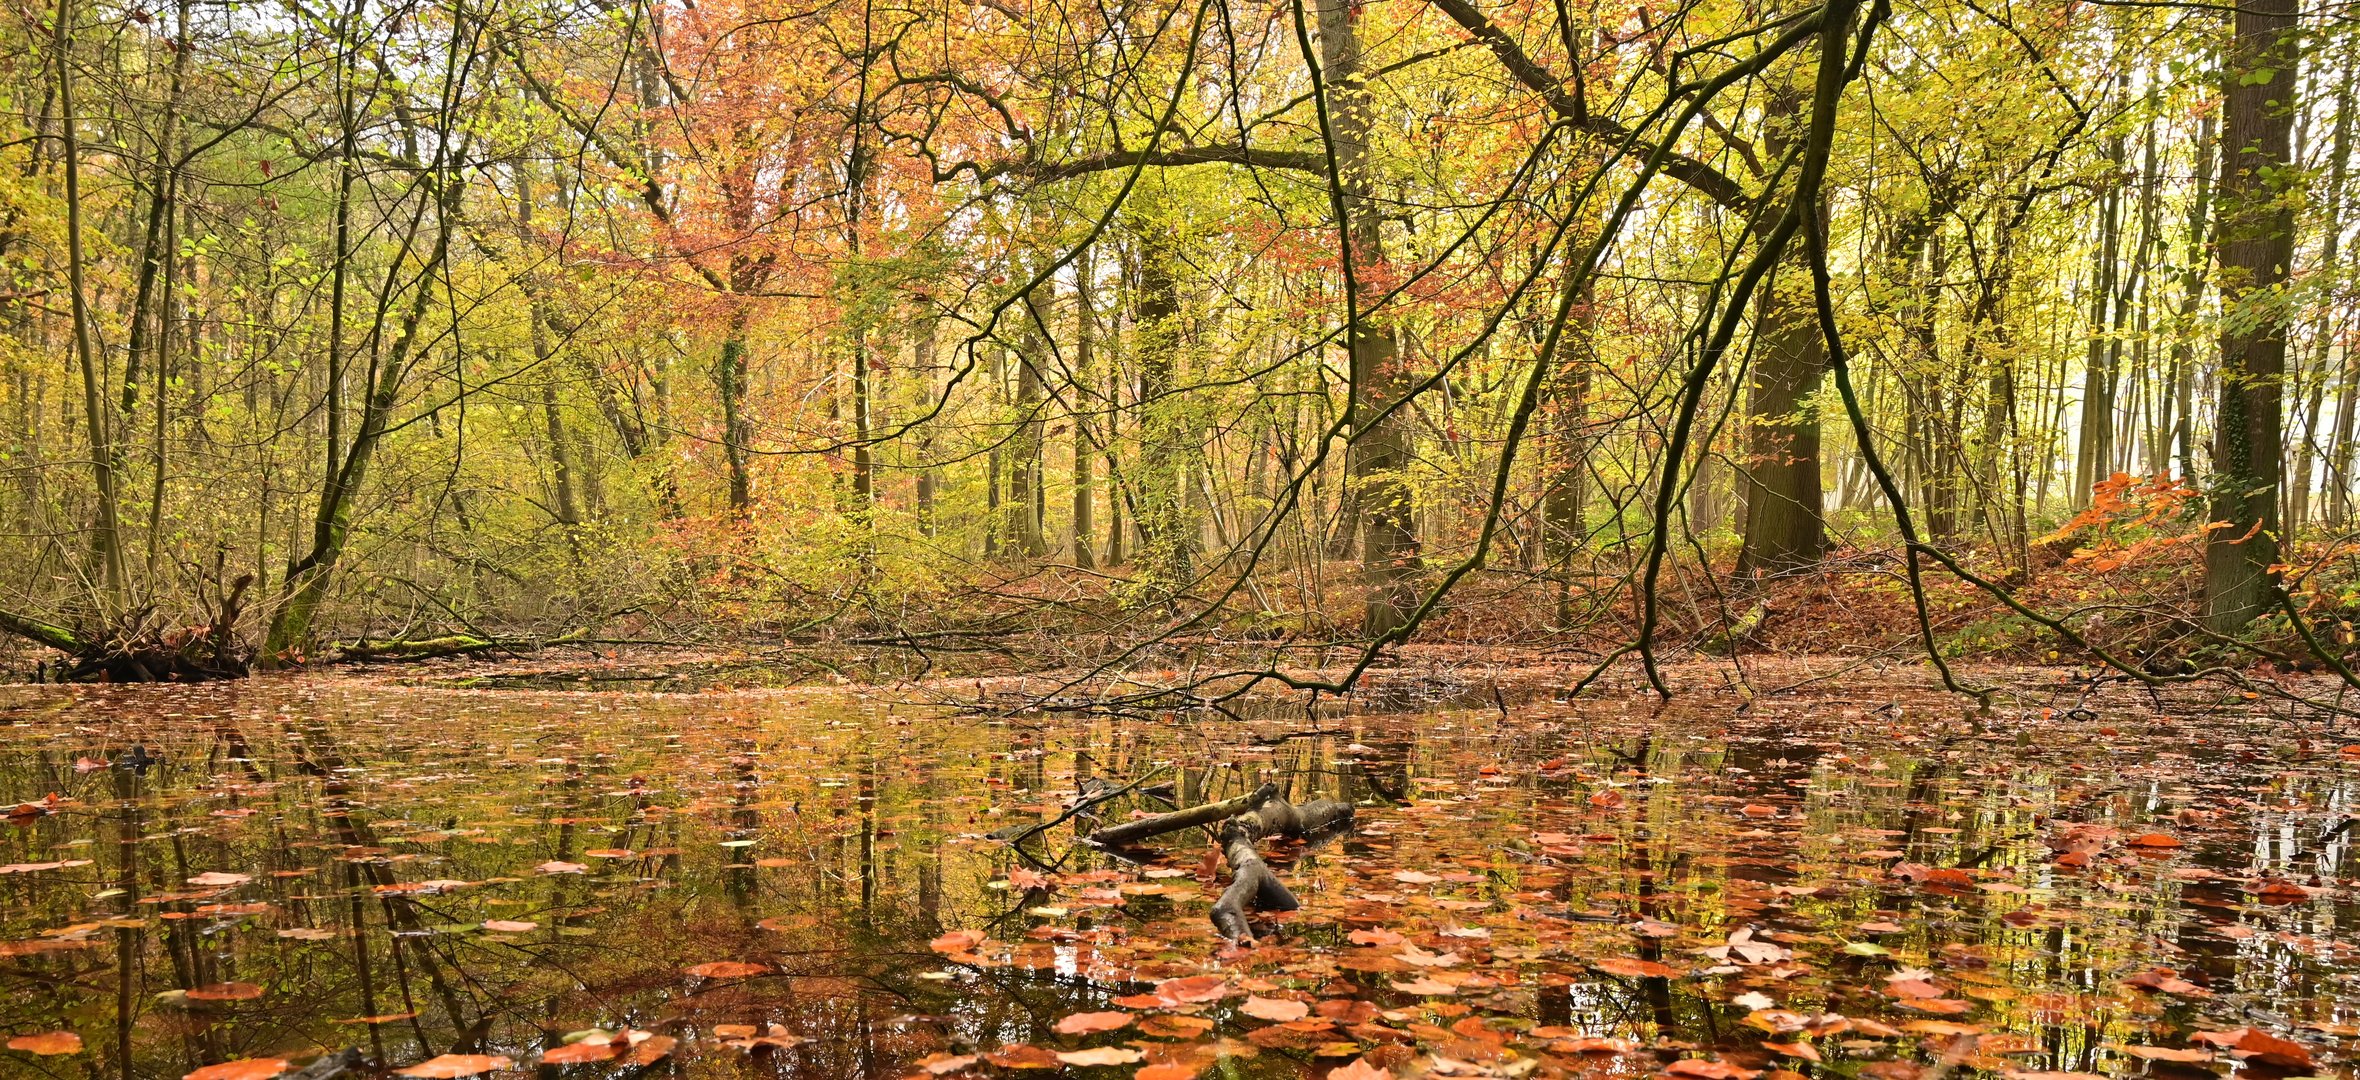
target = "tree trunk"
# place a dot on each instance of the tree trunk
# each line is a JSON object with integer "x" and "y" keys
{"x": 1085, "y": 338}
{"x": 2256, "y": 238}
{"x": 1380, "y": 451}
{"x": 1785, "y": 524}
{"x": 106, "y": 541}
{"x": 730, "y": 381}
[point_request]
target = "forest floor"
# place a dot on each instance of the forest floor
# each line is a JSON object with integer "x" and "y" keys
{"x": 1791, "y": 868}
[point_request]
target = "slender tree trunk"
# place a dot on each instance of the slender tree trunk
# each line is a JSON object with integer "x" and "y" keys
{"x": 106, "y": 539}
{"x": 736, "y": 432}
{"x": 2256, "y": 225}
{"x": 929, "y": 474}
{"x": 1085, "y": 334}
{"x": 2096, "y": 445}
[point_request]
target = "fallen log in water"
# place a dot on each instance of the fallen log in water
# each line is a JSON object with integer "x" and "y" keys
{"x": 1245, "y": 821}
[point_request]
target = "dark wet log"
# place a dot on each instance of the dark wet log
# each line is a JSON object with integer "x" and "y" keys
{"x": 1131, "y": 832}
{"x": 1253, "y": 886}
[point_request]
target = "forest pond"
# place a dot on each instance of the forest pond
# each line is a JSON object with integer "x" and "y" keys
{"x": 1860, "y": 877}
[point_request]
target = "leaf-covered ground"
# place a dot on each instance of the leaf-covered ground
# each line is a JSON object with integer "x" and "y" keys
{"x": 1858, "y": 877}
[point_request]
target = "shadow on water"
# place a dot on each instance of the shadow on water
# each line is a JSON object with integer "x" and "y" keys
{"x": 804, "y": 886}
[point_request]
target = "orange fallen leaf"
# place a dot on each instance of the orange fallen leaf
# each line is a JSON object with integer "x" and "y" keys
{"x": 1631, "y": 967}
{"x": 1170, "y": 1070}
{"x": 1102, "y": 1055}
{"x": 244, "y": 1069}
{"x": 454, "y": 1066}
{"x": 228, "y": 991}
{"x": 1092, "y": 1022}
{"x": 651, "y": 1051}
{"x": 2154, "y": 840}
{"x": 48, "y": 1043}
{"x": 2168, "y": 1053}
{"x": 1360, "y": 1069}
{"x": 957, "y": 941}
{"x": 1193, "y": 988}
{"x": 1276, "y": 1010}
{"x": 509, "y": 926}
{"x": 577, "y": 1053}
{"x": 1022, "y": 1056}
{"x": 726, "y": 969}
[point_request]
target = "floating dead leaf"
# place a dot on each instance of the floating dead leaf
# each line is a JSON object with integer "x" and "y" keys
{"x": 2253, "y": 1045}
{"x": 1706, "y": 1069}
{"x": 48, "y": 1043}
{"x": 242, "y": 1069}
{"x": 220, "y": 878}
{"x": 1631, "y": 967}
{"x": 1022, "y": 1056}
{"x": 509, "y": 926}
{"x": 957, "y": 941}
{"x": 748, "y": 1037}
{"x": 584, "y": 1051}
{"x": 650, "y": 1051}
{"x": 940, "y": 1064}
{"x": 2187, "y": 1055}
{"x": 454, "y": 1066}
{"x": 726, "y": 969}
{"x": 1275, "y": 1010}
{"x": 1102, "y": 1055}
{"x": 226, "y": 991}
{"x": 556, "y": 867}
{"x": 1425, "y": 987}
{"x": 1193, "y": 988}
{"x": 1359, "y": 1069}
{"x": 1170, "y": 1070}
{"x": 1092, "y": 1022}
{"x": 2154, "y": 841}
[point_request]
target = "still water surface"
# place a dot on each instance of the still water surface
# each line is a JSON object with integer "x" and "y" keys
{"x": 775, "y": 884}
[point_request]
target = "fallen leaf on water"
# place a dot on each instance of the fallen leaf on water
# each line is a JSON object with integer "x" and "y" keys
{"x": 576, "y": 1053}
{"x": 555, "y": 867}
{"x": 1414, "y": 877}
{"x": 307, "y": 933}
{"x": 940, "y": 1064}
{"x": 1426, "y": 987}
{"x": 1276, "y": 1010}
{"x": 1701, "y": 1069}
{"x": 454, "y": 1066}
{"x": 220, "y": 878}
{"x": 1102, "y": 1055}
{"x": 1169, "y": 1070}
{"x": 244, "y": 1069}
{"x": 228, "y": 991}
{"x": 726, "y": 969}
{"x": 651, "y": 1051}
{"x": 2167, "y": 1053}
{"x": 957, "y": 941}
{"x": 1022, "y": 1056}
{"x": 748, "y": 1037}
{"x": 2249, "y": 1044}
{"x": 509, "y": 926}
{"x": 1360, "y": 1069}
{"x": 2155, "y": 841}
{"x": 1193, "y": 988}
{"x": 1631, "y": 967}
{"x": 48, "y": 1043}
{"x": 1092, "y": 1022}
